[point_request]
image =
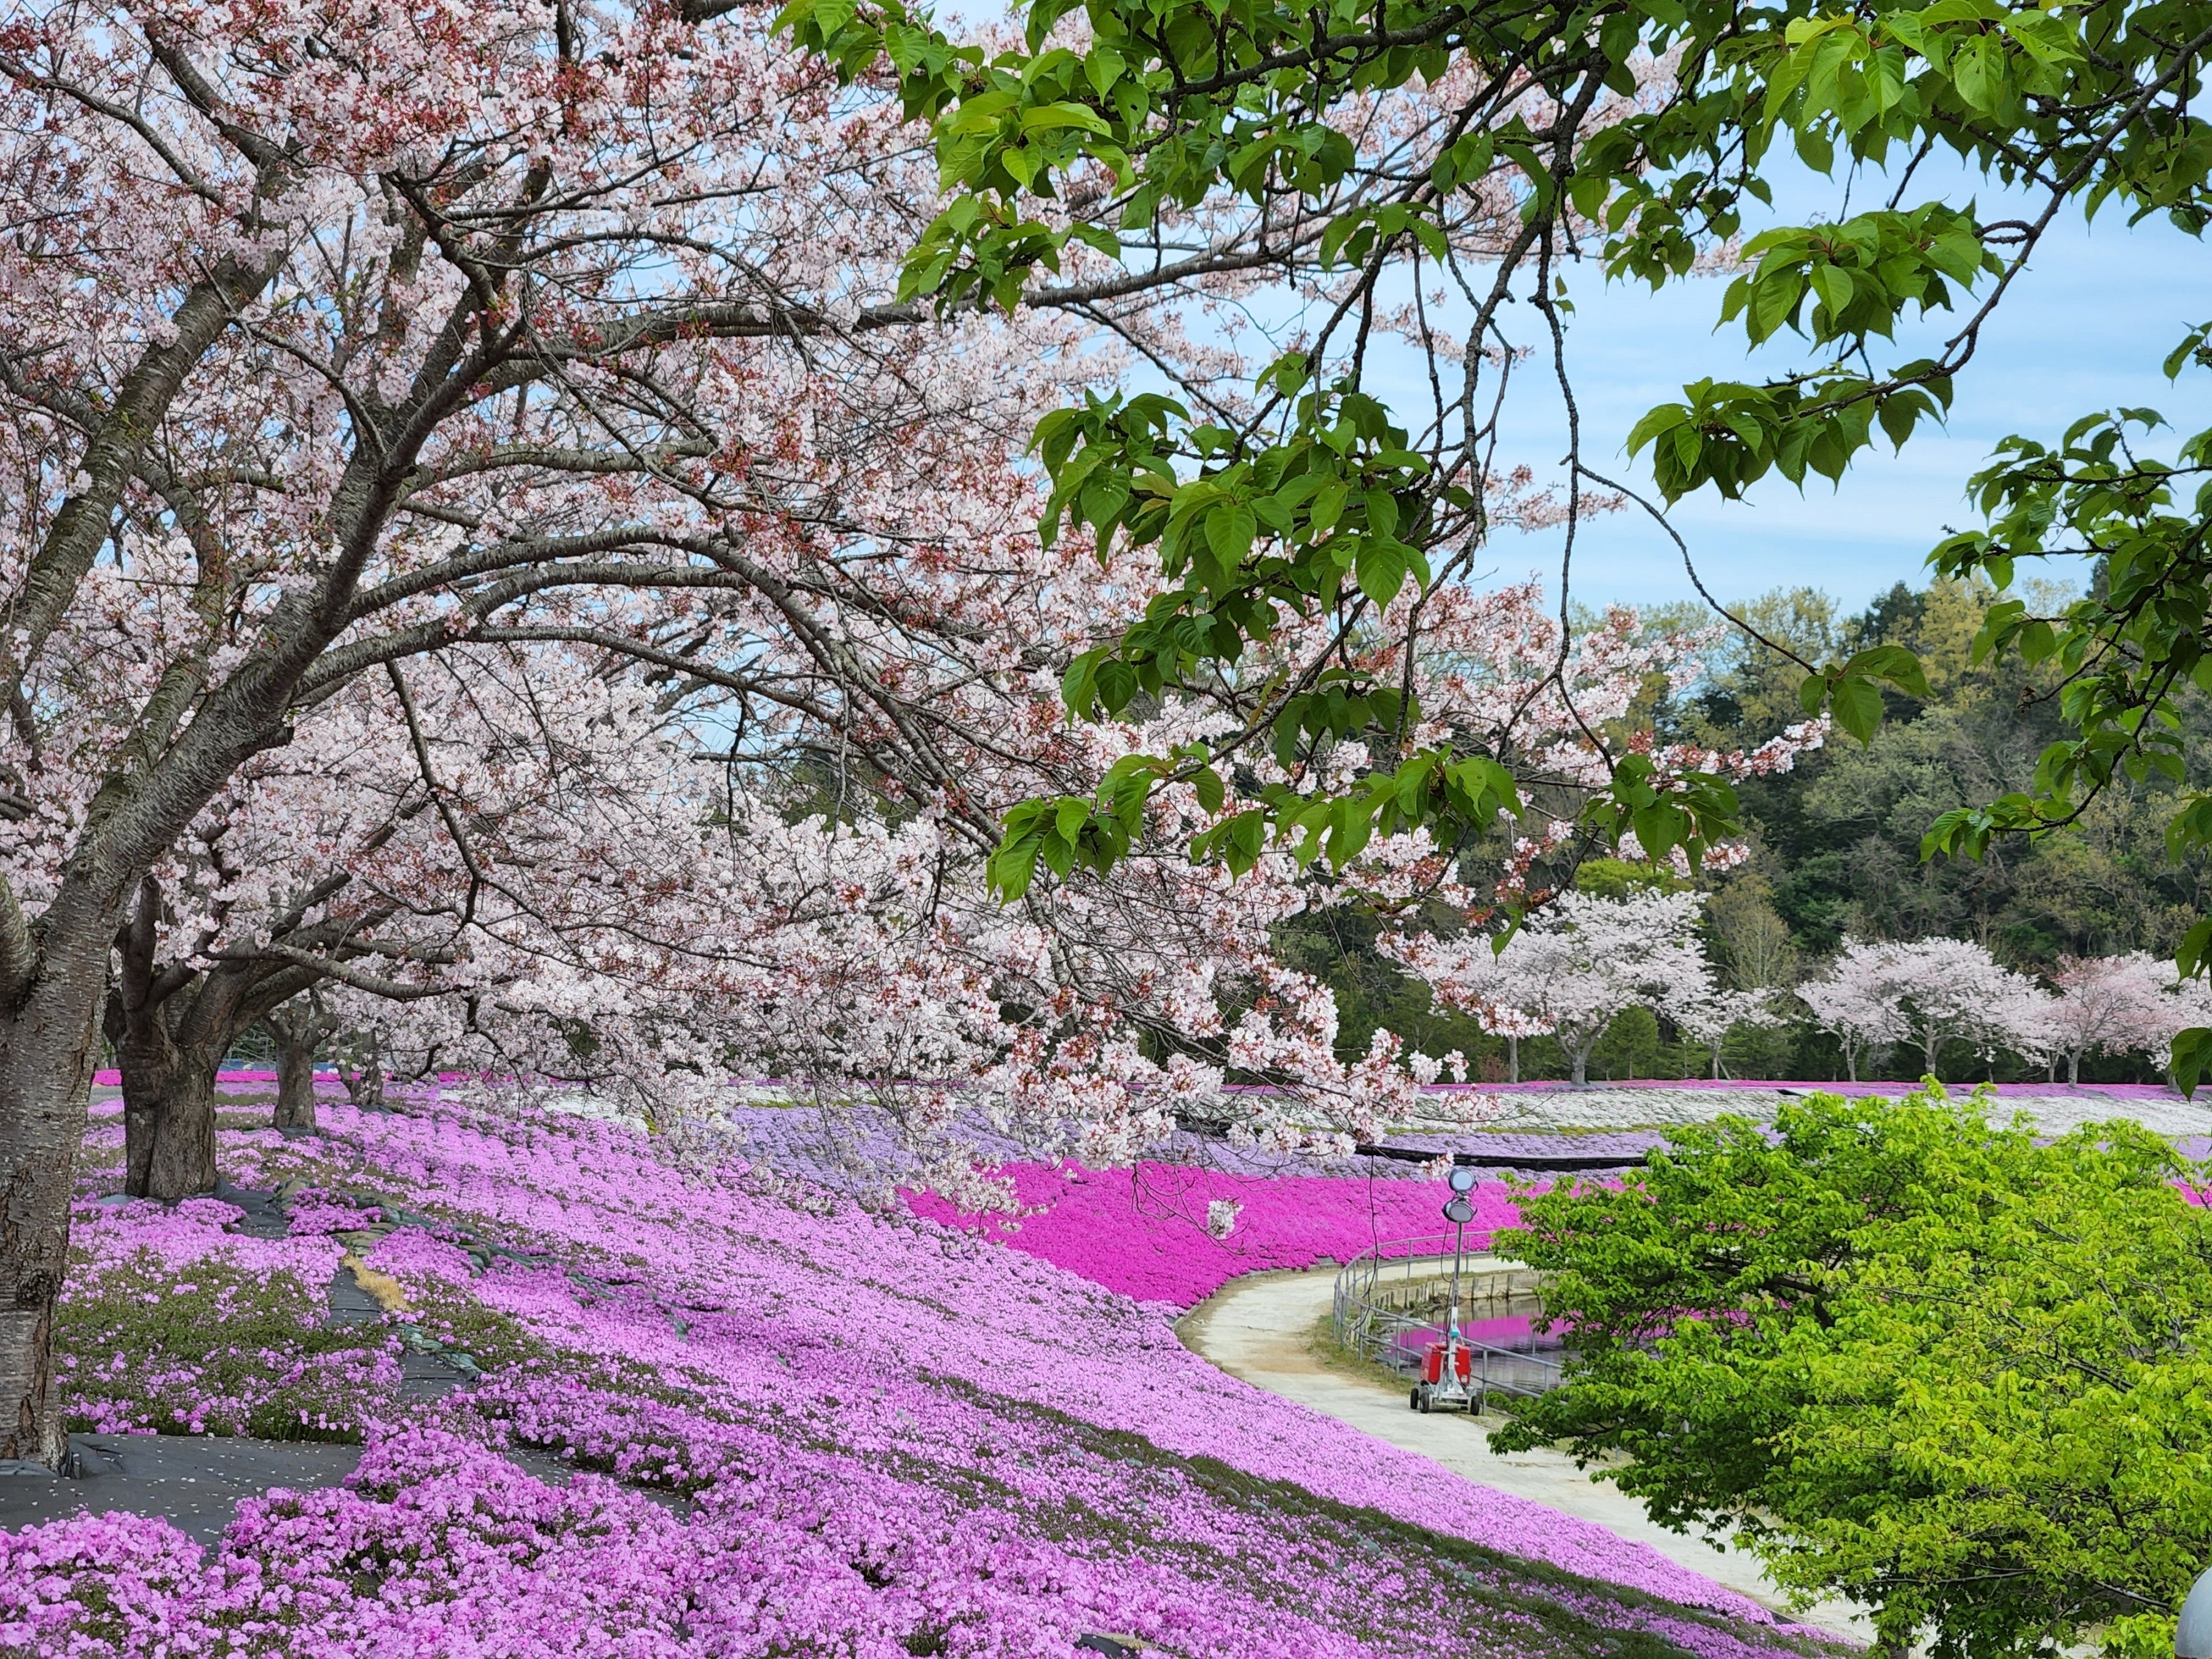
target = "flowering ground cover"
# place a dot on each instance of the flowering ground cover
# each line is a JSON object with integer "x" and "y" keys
{"x": 178, "y": 1325}
{"x": 1146, "y": 1231}
{"x": 790, "y": 1428}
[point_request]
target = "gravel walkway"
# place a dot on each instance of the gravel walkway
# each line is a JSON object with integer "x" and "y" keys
{"x": 195, "y": 1480}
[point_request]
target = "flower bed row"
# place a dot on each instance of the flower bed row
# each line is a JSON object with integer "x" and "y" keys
{"x": 1155, "y": 1232}
{"x": 795, "y": 1430}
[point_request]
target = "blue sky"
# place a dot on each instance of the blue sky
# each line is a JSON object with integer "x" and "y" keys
{"x": 2086, "y": 328}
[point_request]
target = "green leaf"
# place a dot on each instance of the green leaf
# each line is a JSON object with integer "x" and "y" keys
{"x": 1833, "y": 284}
{"x": 1898, "y": 414}
{"x": 1229, "y": 532}
{"x": 1013, "y": 868}
{"x": 1075, "y": 685}
{"x": 2192, "y": 1053}
{"x": 1059, "y": 852}
{"x": 1857, "y": 706}
{"x": 1893, "y": 663}
{"x": 2191, "y": 960}
{"x": 1117, "y": 684}
{"x": 1102, "y": 67}
{"x": 1352, "y": 824}
{"x": 1327, "y": 506}
{"x": 1053, "y": 118}
{"x": 1382, "y": 571}
{"x": 1208, "y": 786}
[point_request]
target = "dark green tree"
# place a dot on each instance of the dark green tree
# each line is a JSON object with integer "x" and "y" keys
{"x": 1909, "y": 1358}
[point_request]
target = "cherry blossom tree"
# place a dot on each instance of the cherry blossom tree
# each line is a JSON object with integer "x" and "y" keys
{"x": 298, "y": 1029}
{"x": 1708, "y": 1016}
{"x": 422, "y": 832}
{"x": 2115, "y": 1006}
{"x": 1952, "y": 990}
{"x": 1855, "y": 1003}
{"x": 1931, "y": 991}
{"x": 285, "y": 880}
{"x": 2023, "y": 1016}
{"x": 1577, "y": 965}
{"x": 2134, "y": 1004}
{"x": 1512, "y": 1024}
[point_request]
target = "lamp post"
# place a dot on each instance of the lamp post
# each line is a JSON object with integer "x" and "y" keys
{"x": 2192, "y": 1637}
{"x": 1459, "y": 1212}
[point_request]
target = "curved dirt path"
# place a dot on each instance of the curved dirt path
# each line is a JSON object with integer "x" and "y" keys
{"x": 1260, "y": 1328}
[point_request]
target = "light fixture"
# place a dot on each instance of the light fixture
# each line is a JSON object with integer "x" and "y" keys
{"x": 2192, "y": 1637}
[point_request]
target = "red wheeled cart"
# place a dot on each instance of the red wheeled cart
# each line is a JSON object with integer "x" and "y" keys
{"x": 1446, "y": 1382}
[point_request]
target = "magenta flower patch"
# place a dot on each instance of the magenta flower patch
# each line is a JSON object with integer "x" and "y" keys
{"x": 1146, "y": 1231}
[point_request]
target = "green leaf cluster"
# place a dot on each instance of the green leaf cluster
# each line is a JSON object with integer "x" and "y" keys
{"x": 1910, "y": 1358}
{"x": 1068, "y": 832}
{"x": 1731, "y": 434}
{"x": 1851, "y": 693}
{"x": 1844, "y": 283}
{"x": 1336, "y": 510}
{"x": 1690, "y": 809}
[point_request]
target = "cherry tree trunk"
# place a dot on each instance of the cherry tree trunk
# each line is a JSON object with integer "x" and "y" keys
{"x": 168, "y": 1116}
{"x": 147, "y": 1059}
{"x": 46, "y": 1057}
{"x": 2074, "y": 1069}
{"x": 1512, "y": 1059}
{"x": 184, "y": 1133}
{"x": 295, "y": 1082}
{"x": 364, "y": 1086}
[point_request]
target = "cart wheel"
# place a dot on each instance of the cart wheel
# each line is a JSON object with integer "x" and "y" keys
{"x": 1413, "y": 1400}
{"x": 1425, "y": 1405}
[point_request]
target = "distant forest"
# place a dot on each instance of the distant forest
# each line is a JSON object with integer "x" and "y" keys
{"x": 1836, "y": 846}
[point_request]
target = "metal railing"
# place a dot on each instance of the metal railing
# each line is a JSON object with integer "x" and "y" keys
{"x": 1392, "y": 1302}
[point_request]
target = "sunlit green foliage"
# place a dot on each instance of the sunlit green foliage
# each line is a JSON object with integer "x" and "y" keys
{"x": 1910, "y": 1358}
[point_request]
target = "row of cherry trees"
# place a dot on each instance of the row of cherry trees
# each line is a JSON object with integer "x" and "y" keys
{"x": 1584, "y": 960}
{"x": 1932, "y": 991}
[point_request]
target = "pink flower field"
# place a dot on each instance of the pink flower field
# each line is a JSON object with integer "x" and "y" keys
{"x": 1143, "y": 1231}
{"x": 789, "y": 1430}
